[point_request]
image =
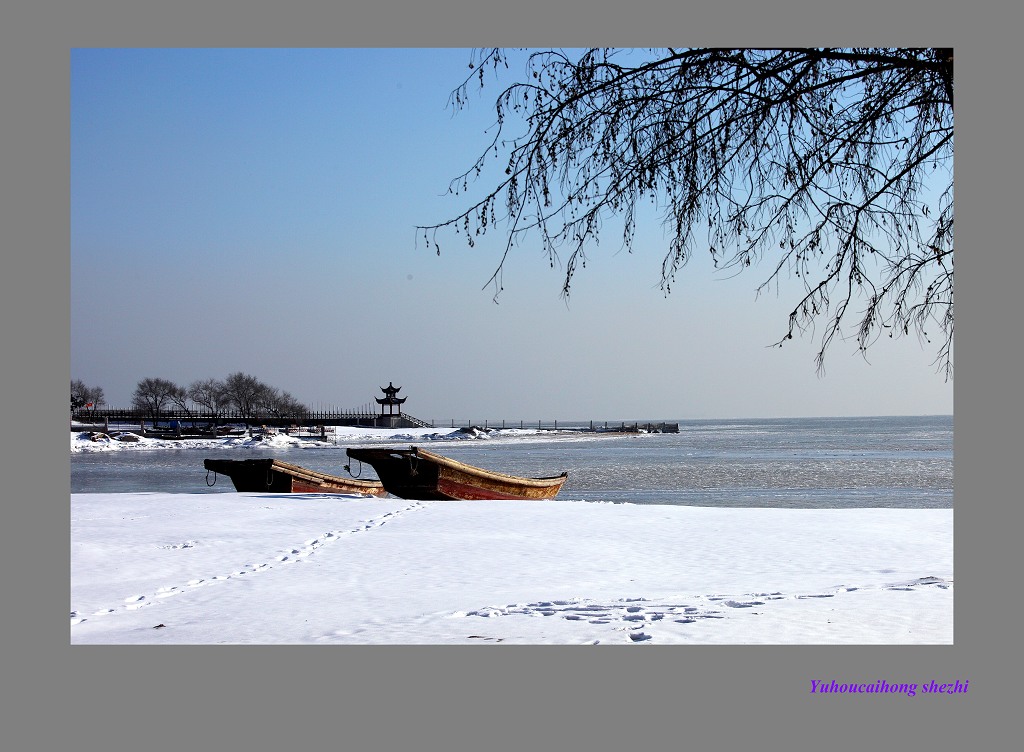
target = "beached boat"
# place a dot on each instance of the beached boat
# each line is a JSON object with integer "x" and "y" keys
{"x": 282, "y": 477}
{"x": 418, "y": 474}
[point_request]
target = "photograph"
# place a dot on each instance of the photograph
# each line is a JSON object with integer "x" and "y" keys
{"x": 509, "y": 377}
{"x": 539, "y": 346}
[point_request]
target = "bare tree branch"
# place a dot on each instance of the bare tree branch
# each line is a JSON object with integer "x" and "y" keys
{"x": 835, "y": 164}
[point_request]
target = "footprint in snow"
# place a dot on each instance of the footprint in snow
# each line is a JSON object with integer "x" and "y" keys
{"x": 135, "y": 602}
{"x": 632, "y": 615}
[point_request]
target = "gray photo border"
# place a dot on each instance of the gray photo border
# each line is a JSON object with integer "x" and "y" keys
{"x": 553, "y": 697}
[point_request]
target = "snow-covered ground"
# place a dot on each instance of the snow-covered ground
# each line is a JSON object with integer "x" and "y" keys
{"x": 124, "y": 439}
{"x": 297, "y": 568}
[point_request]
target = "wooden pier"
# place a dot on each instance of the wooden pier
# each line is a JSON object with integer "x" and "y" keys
{"x": 171, "y": 423}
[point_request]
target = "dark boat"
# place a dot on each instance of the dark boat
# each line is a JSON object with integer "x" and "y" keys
{"x": 418, "y": 474}
{"x": 282, "y": 477}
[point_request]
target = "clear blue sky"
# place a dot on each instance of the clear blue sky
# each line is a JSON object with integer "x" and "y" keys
{"x": 255, "y": 211}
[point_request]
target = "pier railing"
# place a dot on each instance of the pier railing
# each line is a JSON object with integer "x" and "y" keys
{"x": 619, "y": 426}
{"x": 229, "y": 417}
{"x": 208, "y": 419}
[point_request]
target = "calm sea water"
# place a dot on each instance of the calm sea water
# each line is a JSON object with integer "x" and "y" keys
{"x": 806, "y": 462}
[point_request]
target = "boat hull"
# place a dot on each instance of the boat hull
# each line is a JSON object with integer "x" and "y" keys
{"x": 418, "y": 474}
{"x": 274, "y": 476}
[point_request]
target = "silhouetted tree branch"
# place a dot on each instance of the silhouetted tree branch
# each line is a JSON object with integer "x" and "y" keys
{"x": 834, "y": 166}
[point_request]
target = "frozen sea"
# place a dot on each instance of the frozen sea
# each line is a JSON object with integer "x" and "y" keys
{"x": 819, "y": 463}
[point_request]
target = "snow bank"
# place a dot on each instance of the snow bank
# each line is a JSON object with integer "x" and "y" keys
{"x": 95, "y": 441}
{"x": 297, "y": 568}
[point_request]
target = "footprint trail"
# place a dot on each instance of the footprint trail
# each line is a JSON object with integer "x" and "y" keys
{"x": 293, "y": 555}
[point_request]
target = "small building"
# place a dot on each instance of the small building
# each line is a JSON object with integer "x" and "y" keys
{"x": 390, "y": 400}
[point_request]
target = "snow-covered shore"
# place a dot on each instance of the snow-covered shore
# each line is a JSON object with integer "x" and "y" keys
{"x": 295, "y": 568}
{"x": 198, "y": 568}
{"x": 126, "y": 439}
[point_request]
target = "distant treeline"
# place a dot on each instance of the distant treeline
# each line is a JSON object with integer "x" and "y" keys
{"x": 239, "y": 395}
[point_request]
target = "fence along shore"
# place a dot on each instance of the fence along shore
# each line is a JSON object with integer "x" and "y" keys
{"x": 171, "y": 423}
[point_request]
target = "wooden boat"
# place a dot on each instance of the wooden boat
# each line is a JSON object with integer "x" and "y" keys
{"x": 276, "y": 476}
{"x": 418, "y": 474}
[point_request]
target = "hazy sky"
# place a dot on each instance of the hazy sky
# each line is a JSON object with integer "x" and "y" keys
{"x": 255, "y": 211}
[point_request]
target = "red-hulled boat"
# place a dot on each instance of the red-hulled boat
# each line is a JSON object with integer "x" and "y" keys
{"x": 418, "y": 474}
{"x": 276, "y": 476}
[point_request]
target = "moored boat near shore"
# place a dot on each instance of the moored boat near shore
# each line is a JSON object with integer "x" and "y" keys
{"x": 418, "y": 474}
{"x": 275, "y": 476}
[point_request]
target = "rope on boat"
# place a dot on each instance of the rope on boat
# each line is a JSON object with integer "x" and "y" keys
{"x": 208, "y": 484}
{"x": 348, "y": 469}
{"x": 414, "y": 463}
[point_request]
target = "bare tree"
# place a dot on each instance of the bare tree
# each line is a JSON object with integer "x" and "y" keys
{"x": 152, "y": 395}
{"x": 281, "y": 404}
{"x": 78, "y": 394}
{"x": 180, "y": 399}
{"x": 244, "y": 393}
{"x": 85, "y": 396}
{"x": 834, "y": 166}
{"x": 210, "y": 394}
